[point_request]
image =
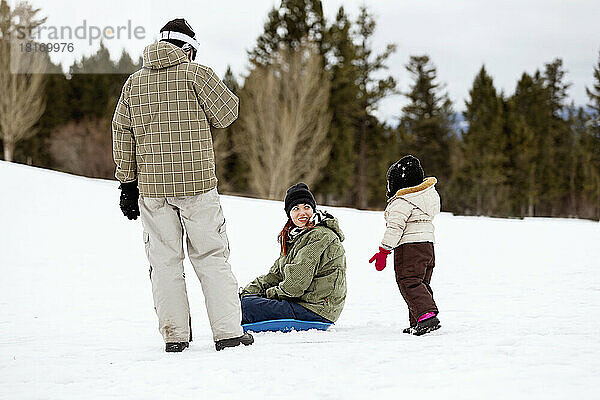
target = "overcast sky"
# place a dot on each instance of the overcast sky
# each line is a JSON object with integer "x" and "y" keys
{"x": 508, "y": 36}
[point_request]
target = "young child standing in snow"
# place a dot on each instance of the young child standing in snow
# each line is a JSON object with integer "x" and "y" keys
{"x": 413, "y": 202}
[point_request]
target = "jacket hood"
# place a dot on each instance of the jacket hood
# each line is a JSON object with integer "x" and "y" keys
{"x": 161, "y": 55}
{"x": 333, "y": 224}
{"x": 423, "y": 196}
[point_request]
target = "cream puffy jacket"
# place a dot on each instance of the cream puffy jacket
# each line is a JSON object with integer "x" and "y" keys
{"x": 409, "y": 215}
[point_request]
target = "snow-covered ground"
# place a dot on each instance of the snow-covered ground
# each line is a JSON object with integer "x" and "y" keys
{"x": 519, "y": 302}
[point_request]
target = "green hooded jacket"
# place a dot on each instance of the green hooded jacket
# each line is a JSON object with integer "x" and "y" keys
{"x": 312, "y": 274}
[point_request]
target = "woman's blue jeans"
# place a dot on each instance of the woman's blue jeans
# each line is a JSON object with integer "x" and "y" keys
{"x": 256, "y": 308}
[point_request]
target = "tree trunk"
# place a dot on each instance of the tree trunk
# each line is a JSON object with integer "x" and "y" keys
{"x": 9, "y": 150}
{"x": 362, "y": 199}
{"x": 573, "y": 212}
{"x": 530, "y": 195}
{"x": 598, "y": 199}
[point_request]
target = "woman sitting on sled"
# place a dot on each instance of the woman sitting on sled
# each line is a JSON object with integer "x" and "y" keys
{"x": 308, "y": 280}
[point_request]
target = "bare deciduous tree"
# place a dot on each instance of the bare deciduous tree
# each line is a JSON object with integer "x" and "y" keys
{"x": 22, "y": 101}
{"x": 284, "y": 119}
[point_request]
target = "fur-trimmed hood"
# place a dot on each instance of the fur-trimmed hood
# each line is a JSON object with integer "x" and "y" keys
{"x": 423, "y": 196}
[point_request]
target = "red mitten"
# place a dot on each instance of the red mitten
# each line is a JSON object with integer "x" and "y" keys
{"x": 380, "y": 258}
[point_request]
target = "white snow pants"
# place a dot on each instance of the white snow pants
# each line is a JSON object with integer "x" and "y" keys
{"x": 164, "y": 220}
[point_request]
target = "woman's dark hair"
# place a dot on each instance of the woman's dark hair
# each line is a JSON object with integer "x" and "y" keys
{"x": 282, "y": 238}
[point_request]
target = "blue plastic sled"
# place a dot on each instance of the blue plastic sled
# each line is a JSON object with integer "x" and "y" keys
{"x": 285, "y": 325}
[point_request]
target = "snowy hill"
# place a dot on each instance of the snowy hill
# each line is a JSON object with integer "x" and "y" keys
{"x": 519, "y": 301}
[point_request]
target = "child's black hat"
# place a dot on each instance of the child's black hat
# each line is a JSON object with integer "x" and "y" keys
{"x": 406, "y": 172}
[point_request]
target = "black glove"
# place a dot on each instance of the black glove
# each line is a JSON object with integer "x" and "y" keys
{"x": 129, "y": 199}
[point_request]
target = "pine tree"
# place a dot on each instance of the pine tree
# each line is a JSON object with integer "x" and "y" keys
{"x": 95, "y": 85}
{"x": 541, "y": 141}
{"x": 288, "y": 26}
{"x": 231, "y": 169}
{"x": 126, "y": 65}
{"x": 484, "y": 145}
{"x": 83, "y": 104}
{"x": 591, "y": 143}
{"x": 556, "y": 141}
{"x": 382, "y": 152}
{"x": 594, "y": 96}
{"x": 576, "y": 157}
{"x": 371, "y": 91}
{"x": 338, "y": 177}
{"x": 427, "y": 120}
{"x": 554, "y": 76}
{"x": 526, "y": 121}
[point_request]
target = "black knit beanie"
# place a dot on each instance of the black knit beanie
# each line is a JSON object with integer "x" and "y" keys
{"x": 406, "y": 172}
{"x": 298, "y": 194}
{"x": 178, "y": 25}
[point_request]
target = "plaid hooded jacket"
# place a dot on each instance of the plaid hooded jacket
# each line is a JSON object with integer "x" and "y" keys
{"x": 161, "y": 126}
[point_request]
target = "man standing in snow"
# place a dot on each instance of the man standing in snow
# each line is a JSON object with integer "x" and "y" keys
{"x": 163, "y": 149}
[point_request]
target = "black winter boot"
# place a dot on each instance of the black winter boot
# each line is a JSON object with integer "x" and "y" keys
{"x": 425, "y": 326}
{"x": 176, "y": 347}
{"x": 246, "y": 339}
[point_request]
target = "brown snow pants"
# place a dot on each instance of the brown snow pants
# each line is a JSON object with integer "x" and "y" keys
{"x": 413, "y": 263}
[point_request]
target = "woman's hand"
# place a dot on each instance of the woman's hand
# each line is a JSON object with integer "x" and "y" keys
{"x": 380, "y": 258}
